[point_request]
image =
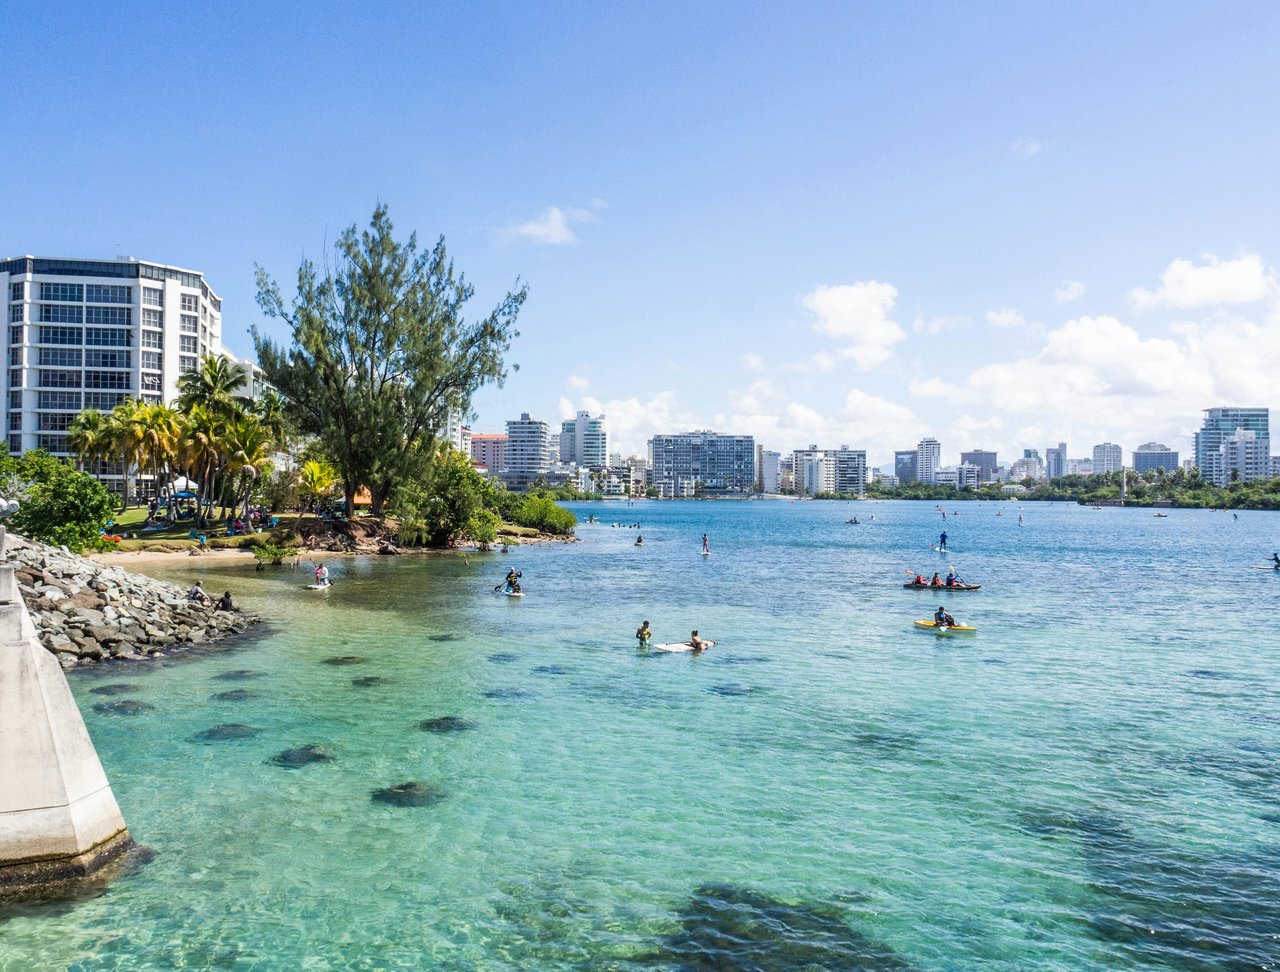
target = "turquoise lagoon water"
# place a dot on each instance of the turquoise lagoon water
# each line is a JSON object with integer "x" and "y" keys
{"x": 1093, "y": 781}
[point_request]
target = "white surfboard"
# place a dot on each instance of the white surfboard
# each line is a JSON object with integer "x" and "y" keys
{"x": 681, "y": 646}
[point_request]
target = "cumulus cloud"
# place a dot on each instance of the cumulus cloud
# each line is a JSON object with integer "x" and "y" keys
{"x": 552, "y": 227}
{"x": 857, "y": 316}
{"x": 578, "y": 383}
{"x": 935, "y": 388}
{"x": 1069, "y": 291}
{"x": 1025, "y": 147}
{"x": 938, "y": 324}
{"x": 1005, "y": 317}
{"x": 1213, "y": 282}
{"x": 633, "y": 421}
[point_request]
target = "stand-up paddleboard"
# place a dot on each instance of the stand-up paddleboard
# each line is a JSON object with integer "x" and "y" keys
{"x": 1266, "y": 567}
{"x": 946, "y": 628}
{"x": 681, "y": 646}
{"x": 514, "y": 593}
{"x": 319, "y": 587}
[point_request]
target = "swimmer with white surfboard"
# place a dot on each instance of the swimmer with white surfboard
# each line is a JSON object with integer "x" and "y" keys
{"x": 694, "y": 644}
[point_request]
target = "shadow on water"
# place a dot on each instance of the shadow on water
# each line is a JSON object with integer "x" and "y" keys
{"x": 123, "y": 707}
{"x": 723, "y": 927}
{"x": 1172, "y": 909}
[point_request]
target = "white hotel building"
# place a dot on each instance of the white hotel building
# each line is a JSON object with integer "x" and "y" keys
{"x": 89, "y": 334}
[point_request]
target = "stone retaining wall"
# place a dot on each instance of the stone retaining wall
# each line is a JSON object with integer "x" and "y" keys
{"x": 86, "y": 611}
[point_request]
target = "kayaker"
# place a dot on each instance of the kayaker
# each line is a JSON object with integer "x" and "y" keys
{"x": 935, "y": 581}
{"x": 920, "y": 581}
{"x": 951, "y": 579}
{"x": 942, "y": 619}
{"x": 639, "y": 541}
{"x": 643, "y": 634}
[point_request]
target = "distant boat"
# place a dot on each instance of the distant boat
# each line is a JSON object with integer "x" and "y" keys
{"x": 1160, "y": 514}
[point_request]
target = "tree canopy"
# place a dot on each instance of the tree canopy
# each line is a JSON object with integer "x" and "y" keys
{"x": 58, "y": 503}
{"x": 381, "y": 352}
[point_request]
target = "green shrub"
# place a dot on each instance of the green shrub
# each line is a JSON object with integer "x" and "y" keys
{"x": 58, "y": 503}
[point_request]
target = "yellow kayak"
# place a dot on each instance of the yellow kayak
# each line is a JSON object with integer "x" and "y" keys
{"x": 946, "y": 629}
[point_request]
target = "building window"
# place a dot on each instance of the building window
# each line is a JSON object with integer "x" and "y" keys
{"x": 151, "y": 360}
{"x": 151, "y": 297}
{"x": 152, "y": 339}
{"x": 61, "y": 314}
{"x": 15, "y": 378}
{"x": 15, "y": 335}
{"x": 17, "y": 312}
{"x": 187, "y": 344}
{"x": 113, "y": 316}
{"x": 15, "y": 444}
{"x": 190, "y": 302}
{"x": 111, "y": 337}
{"x": 103, "y": 294}
{"x": 152, "y": 318}
{"x": 54, "y": 421}
{"x": 107, "y": 359}
{"x": 50, "y": 378}
{"x": 15, "y": 356}
{"x": 61, "y": 335}
{"x": 189, "y": 324}
{"x": 15, "y": 401}
{"x": 52, "y": 443}
{"x": 62, "y": 401}
{"x": 60, "y": 357}
{"x": 150, "y": 399}
{"x": 107, "y": 379}
{"x": 103, "y": 401}
{"x": 17, "y": 291}
{"x": 15, "y": 421}
{"x": 150, "y": 383}
{"x": 186, "y": 363}
{"x": 61, "y": 291}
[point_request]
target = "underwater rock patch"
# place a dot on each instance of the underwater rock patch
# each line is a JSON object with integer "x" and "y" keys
{"x": 503, "y": 656}
{"x": 552, "y": 670}
{"x": 411, "y": 794}
{"x": 739, "y": 660}
{"x": 725, "y": 929}
{"x": 369, "y": 681}
{"x": 445, "y": 724}
{"x": 1208, "y": 673}
{"x": 234, "y": 695}
{"x": 123, "y": 707}
{"x": 731, "y": 689}
{"x": 238, "y": 675}
{"x": 444, "y": 637}
{"x": 345, "y": 660}
{"x": 115, "y": 688}
{"x": 508, "y": 693}
{"x": 302, "y": 756}
{"x": 228, "y": 730}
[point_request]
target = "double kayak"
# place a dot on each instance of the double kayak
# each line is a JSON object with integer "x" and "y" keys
{"x": 945, "y": 629}
{"x": 913, "y": 586}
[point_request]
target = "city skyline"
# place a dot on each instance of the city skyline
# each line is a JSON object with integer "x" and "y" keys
{"x": 929, "y": 255}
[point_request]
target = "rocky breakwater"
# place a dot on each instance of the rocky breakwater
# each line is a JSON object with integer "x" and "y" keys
{"x": 87, "y": 612}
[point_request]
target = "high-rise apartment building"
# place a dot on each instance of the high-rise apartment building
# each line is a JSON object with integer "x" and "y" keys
{"x": 585, "y": 441}
{"x": 1055, "y": 461}
{"x": 489, "y": 449}
{"x": 529, "y": 451}
{"x": 768, "y": 470}
{"x": 1244, "y": 457}
{"x": 89, "y": 334}
{"x": 704, "y": 461}
{"x": 1219, "y": 425}
{"x": 842, "y": 470}
{"x": 1154, "y": 455}
{"x": 985, "y": 462}
{"x": 928, "y": 456}
{"x": 1107, "y": 457}
{"x": 904, "y": 466}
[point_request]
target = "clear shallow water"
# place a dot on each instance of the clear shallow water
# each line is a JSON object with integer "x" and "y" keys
{"x": 1093, "y": 781}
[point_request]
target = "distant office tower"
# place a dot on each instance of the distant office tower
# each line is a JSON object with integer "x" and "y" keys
{"x": 1055, "y": 461}
{"x": 1219, "y": 425}
{"x": 1028, "y": 467}
{"x": 928, "y": 454}
{"x": 904, "y": 466}
{"x": 1107, "y": 457}
{"x": 529, "y": 451}
{"x": 964, "y": 476}
{"x": 1154, "y": 455}
{"x": 89, "y": 334}
{"x": 584, "y": 440}
{"x": 490, "y": 450}
{"x": 1079, "y": 467}
{"x": 1245, "y": 457}
{"x": 985, "y": 462}
{"x": 768, "y": 470}
{"x": 704, "y": 461}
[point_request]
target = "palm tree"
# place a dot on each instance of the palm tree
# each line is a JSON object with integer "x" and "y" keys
{"x": 270, "y": 411}
{"x": 214, "y": 385}
{"x": 316, "y": 478}
{"x": 203, "y": 452}
{"x": 159, "y": 433}
{"x": 124, "y": 435}
{"x": 89, "y": 436}
{"x": 248, "y": 449}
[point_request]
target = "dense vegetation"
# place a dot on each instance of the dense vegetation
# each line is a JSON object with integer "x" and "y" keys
{"x": 381, "y": 355}
{"x": 57, "y": 503}
{"x": 1179, "y": 487}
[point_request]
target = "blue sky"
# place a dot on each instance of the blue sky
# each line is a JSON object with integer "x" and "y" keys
{"x": 1002, "y": 224}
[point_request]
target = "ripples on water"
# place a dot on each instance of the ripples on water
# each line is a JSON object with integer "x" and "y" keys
{"x": 1091, "y": 782}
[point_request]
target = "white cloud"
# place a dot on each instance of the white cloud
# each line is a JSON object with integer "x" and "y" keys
{"x": 936, "y": 325}
{"x": 935, "y": 388}
{"x": 1214, "y": 282}
{"x": 857, "y": 315}
{"x": 752, "y": 361}
{"x": 1069, "y": 291}
{"x": 579, "y": 383}
{"x": 1005, "y": 317}
{"x": 552, "y": 227}
{"x": 632, "y": 422}
{"x": 1025, "y": 147}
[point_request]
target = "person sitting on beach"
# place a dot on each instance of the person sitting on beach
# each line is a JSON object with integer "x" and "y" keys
{"x": 942, "y": 619}
{"x": 935, "y": 581}
{"x": 224, "y": 602}
{"x": 197, "y": 594}
{"x": 643, "y": 634}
